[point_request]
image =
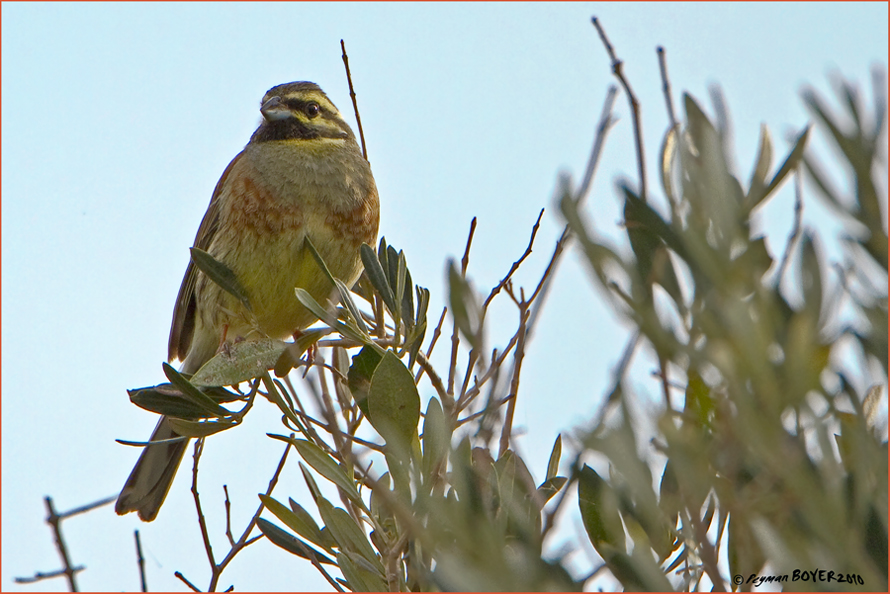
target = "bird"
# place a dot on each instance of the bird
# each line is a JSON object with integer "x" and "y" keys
{"x": 301, "y": 176}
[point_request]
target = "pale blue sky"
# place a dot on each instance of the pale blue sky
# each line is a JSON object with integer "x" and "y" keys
{"x": 117, "y": 120}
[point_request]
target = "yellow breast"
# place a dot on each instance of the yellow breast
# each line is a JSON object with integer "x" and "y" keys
{"x": 275, "y": 197}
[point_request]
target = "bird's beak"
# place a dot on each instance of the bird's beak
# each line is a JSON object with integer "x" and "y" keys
{"x": 274, "y": 110}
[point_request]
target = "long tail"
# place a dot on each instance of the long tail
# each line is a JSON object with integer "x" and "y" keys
{"x": 150, "y": 480}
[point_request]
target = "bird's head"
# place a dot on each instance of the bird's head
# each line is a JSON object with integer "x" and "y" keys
{"x": 299, "y": 111}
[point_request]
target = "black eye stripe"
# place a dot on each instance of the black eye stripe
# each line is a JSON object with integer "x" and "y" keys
{"x": 301, "y": 104}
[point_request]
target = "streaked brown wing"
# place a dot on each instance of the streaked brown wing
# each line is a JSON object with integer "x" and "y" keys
{"x": 183, "y": 327}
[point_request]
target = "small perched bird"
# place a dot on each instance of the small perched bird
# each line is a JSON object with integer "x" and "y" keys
{"x": 302, "y": 175}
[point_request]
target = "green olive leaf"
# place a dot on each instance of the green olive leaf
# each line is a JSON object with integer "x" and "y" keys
{"x": 393, "y": 402}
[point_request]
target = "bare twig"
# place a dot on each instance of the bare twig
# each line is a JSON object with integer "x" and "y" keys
{"x": 602, "y": 128}
{"x": 467, "y": 395}
{"x": 140, "y": 560}
{"x": 505, "y": 284}
{"x": 348, "y": 343}
{"x": 308, "y": 430}
{"x": 245, "y": 540}
{"x": 674, "y": 128}
{"x": 199, "y": 448}
{"x": 54, "y": 519}
{"x": 489, "y": 373}
{"x": 324, "y": 572}
{"x": 228, "y": 505}
{"x": 362, "y": 442}
{"x": 326, "y": 404}
{"x": 435, "y": 337}
{"x": 39, "y": 576}
{"x": 666, "y": 85}
{"x": 192, "y": 586}
{"x": 617, "y": 69}
{"x": 358, "y": 118}
{"x": 472, "y": 359}
{"x": 476, "y": 415}
{"x": 88, "y": 507}
{"x": 348, "y": 408}
{"x": 507, "y": 429}
{"x": 465, "y": 261}
{"x": 434, "y": 379}
{"x": 516, "y": 264}
{"x": 455, "y": 339}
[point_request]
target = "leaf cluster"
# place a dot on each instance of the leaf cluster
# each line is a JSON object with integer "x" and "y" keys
{"x": 774, "y": 450}
{"x": 443, "y": 498}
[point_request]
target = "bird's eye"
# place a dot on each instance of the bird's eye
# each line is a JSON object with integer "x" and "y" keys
{"x": 312, "y": 109}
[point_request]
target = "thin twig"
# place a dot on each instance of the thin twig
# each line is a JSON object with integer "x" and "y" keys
{"x": 507, "y": 429}
{"x": 505, "y": 284}
{"x": 472, "y": 359}
{"x": 328, "y": 410}
{"x": 346, "y": 435}
{"x": 455, "y": 339}
{"x": 199, "y": 448}
{"x": 603, "y": 126}
{"x": 489, "y": 373}
{"x": 340, "y": 373}
{"x": 324, "y": 572}
{"x": 348, "y": 343}
{"x": 39, "y": 576}
{"x": 140, "y": 560}
{"x": 465, "y": 261}
{"x": 88, "y": 507}
{"x": 617, "y": 69}
{"x": 429, "y": 351}
{"x": 325, "y": 405}
{"x": 245, "y": 541}
{"x": 666, "y": 85}
{"x": 54, "y": 519}
{"x": 309, "y": 431}
{"x": 193, "y": 587}
{"x": 427, "y": 366}
{"x": 228, "y": 506}
{"x": 362, "y": 442}
{"x": 358, "y": 118}
{"x": 476, "y": 415}
{"x": 516, "y": 264}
